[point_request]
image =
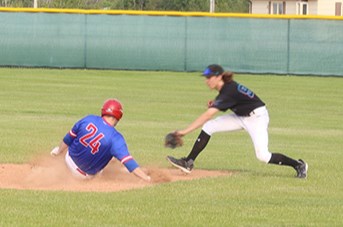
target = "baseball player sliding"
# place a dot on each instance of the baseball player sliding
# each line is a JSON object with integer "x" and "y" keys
{"x": 93, "y": 142}
{"x": 249, "y": 113}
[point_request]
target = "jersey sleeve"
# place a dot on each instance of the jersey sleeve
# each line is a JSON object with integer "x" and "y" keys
{"x": 120, "y": 151}
{"x": 223, "y": 102}
{"x": 72, "y": 134}
{"x": 129, "y": 163}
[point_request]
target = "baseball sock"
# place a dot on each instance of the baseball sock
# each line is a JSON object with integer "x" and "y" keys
{"x": 199, "y": 145}
{"x": 281, "y": 159}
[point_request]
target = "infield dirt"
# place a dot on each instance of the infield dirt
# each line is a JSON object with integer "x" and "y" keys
{"x": 51, "y": 173}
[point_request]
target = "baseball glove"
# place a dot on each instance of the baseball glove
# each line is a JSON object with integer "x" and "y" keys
{"x": 173, "y": 140}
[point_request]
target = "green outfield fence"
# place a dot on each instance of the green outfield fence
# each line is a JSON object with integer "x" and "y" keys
{"x": 172, "y": 41}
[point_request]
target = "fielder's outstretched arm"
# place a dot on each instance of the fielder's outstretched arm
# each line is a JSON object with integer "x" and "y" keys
{"x": 202, "y": 119}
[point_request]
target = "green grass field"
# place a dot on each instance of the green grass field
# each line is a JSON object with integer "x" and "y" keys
{"x": 38, "y": 106}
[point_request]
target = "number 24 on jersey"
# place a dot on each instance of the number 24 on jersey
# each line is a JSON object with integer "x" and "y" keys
{"x": 90, "y": 140}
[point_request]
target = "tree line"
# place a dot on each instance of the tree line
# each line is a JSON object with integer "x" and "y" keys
{"x": 230, "y": 6}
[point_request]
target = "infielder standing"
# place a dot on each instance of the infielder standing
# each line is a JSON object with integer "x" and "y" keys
{"x": 249, "y": 113}
{"x": 93, "y": 142}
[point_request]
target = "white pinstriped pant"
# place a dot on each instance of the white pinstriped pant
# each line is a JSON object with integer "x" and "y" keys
{"x": 75, "y": 170}
{"x": 256, "y": 125}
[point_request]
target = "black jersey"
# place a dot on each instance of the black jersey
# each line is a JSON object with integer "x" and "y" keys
{"x": 238, "y": 98}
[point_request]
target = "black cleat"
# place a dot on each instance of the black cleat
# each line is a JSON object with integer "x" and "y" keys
{"x": 301, "y": 169}
{"x": 185, "y": 166}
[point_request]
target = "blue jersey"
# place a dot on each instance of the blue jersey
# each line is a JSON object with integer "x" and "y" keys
{"x": 92, "y": 142}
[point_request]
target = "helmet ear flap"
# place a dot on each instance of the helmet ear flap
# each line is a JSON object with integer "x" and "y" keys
{"x": 112, "y": 107}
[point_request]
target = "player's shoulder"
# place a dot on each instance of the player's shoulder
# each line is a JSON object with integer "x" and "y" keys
{"x": 234, "y": 83}
{"x": 118, "y": 139}
{"x": 117, "y": 135}
{"x": 229, "y": 87}
{"x": 93, "y": 116}
{"x": 90, "y": 119}
{"x": 90, "y": 116}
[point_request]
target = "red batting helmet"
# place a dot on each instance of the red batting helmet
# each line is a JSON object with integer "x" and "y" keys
{"x": 113, "y": 108}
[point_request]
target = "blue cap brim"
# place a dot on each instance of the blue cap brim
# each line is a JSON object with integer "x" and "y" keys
{"x": 208, "y": 72}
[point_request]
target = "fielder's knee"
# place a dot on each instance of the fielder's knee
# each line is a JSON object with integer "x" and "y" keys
{"x": 208, "y": 128}
{"x": 263, "y": 156}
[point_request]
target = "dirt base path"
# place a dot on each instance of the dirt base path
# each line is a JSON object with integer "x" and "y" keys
{"x": 49, "y": 173}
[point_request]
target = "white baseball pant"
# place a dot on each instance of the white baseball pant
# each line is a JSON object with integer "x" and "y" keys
{"x": 75, "y": 170}
{"x": 256, "y": 125}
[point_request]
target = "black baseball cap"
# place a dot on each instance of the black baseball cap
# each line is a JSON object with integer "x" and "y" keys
{"x": 213, "y": 70}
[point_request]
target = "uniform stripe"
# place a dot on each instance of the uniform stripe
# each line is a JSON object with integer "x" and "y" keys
{"x": 80, "y": 171}
{"x": 127, "y": 158}
{"x": 72, "y": 134}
